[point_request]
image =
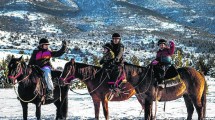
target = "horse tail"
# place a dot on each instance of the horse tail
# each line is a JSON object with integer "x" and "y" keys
{"x": 204, "y": 100}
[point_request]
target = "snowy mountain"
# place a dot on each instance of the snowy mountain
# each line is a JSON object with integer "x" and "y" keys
{"x": 89, "y": 24}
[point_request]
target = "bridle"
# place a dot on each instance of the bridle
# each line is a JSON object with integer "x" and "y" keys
{"x": 67, "y": 77}
{"x": 72, "y": 67}
{"x": 14, "y": 78}
{"x": 19, "y": 73}
{"x": 138, "y": 84}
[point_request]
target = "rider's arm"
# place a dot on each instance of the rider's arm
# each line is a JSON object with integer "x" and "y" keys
{"x": 32, "y": 60}
{"x": 172, "y": 47}
{"x": 61, "y": 51}
{"x": 119, "y": 56}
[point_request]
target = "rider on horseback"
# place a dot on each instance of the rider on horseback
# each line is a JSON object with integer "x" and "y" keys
{"x": 108, "y": 56}
{"x": 41, "y": 57}
{"x": 115, "y": 51}
{"x": 163, "y": 60}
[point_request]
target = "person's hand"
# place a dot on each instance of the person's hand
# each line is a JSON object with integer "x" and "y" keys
{"x": 64, "y": 43}
{"x": 116, "y": 60}
{"x": 155, "y": 62}
{"x": 171, "y": 42}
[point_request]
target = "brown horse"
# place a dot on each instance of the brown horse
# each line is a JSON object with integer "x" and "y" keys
{"x": 30, "y": 88}
{"x": 96, "y": 80}
{"x": 192, "y": 87}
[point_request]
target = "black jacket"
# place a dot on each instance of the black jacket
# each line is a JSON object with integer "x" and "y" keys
{"x": 42, "y": 57}
{"x": 118, "y": 50}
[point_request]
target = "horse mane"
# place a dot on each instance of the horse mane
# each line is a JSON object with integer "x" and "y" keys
{"x": 87, "y": 69}
{"x": 34, "y": 73}
{"x": 133, "y": 68}
{"x": 83, "y": 65}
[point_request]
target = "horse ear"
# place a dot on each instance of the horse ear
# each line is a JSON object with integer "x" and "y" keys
{"x": 72, "y": 61}
{"x": 20, "y": 58}
{"x": 12, "y": 56}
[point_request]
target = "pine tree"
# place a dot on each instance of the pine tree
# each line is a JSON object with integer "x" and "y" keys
{"x": 178, "y": 59}
{"x": 66, "y": 58}
{"x": 21, "y": 52}
{"x": 95, "y": 61}
{"x": 85, "y": 60}
{"x": 187, "y": 63}
{"x": 134, "y": 60}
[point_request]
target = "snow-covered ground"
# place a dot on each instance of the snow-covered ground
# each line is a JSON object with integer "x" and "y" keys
{"x": 81, "y": 107}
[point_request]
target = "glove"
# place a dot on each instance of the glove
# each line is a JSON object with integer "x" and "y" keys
{"x": 171, "y": 43}
{"x": 155, "y": 62}
{"x": 29, "y": 66}
{"x": 116, "y": 60}
{"x": 64, "y": 43}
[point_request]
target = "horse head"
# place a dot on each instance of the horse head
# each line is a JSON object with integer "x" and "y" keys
{"x": 19, "y": 71}
{"x": 15, "y": 69}
{"x": 81, "y": 71}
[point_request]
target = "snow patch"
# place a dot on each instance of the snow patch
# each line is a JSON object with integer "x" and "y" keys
{"x": 23, "y": 15}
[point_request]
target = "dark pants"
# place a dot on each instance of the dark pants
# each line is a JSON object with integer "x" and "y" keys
{"x": 115, "y": 75}
{"x": 159, "y": 72}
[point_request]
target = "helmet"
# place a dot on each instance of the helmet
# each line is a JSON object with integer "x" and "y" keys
{"x": 43, "y": 41}
{"x": 161, "y": 41}
{"x": 116, "y": 35}
{"x": 107, "y": 46}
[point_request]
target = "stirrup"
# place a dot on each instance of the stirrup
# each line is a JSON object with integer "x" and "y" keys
{"x": 161, "y": 85}
{"x": 124, "y": 81}
{"x": 49, "y": 95}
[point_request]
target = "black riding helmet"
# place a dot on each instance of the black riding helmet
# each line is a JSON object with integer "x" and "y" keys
{"x": 116, "y": 35}
{"x": 162, "y": 41}
{"x": 44, "y": 41}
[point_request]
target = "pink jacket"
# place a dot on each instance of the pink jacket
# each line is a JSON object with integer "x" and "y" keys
{"x": 164, "y": 56}
{"x": 167, "y": 51}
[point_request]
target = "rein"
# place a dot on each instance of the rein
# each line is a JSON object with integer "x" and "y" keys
{"x": 89, "y": 77}
{"x": 14, "y": 78}
{"x": 21, "y": 98}
{"x": 70, "y": 77}
{"x": 142, "y": 81}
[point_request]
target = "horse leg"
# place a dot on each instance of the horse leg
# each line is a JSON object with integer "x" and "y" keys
{"x": 199, "y": 108}
{"x": 141, "y": 101}
{"x": 105, "y": 108}
{"x": 96, "y": 107}
{"x": 38, "y": 111}
{"x": 189, "y": 106}
{"x": 25, "y": 110}
{"x": 64, "y": 106}
{"x": 58, "y": 110}
{"x": 200, "y": 102}
{"x": 148, "y": 110}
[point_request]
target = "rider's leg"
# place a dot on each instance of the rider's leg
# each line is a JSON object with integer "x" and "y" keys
{"x": 48, "y": 79}
{"x": 115, "y": 76}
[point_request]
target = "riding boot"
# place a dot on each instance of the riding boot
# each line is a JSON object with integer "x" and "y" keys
{"x": 161, "y": 82}
{"x": 49, "y": 95}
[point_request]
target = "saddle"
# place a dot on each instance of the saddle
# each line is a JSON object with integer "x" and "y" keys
{"x": 116, "y": 77}
{"x": 54, "y": 73}
{"x": 171, "y": 77}
{"x": 41, "y": 86}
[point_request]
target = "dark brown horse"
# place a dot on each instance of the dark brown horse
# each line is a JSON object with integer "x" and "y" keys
{"x": 96, "y": 80}
{"x": 192, "y": 87}
{"x": 30, "y": 88}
